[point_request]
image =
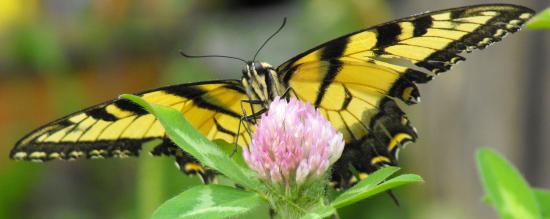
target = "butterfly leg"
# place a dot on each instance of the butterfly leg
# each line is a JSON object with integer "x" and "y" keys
{"x": 255, "y": 115}
{"x": 246, "y": 118}
{"x": 287, "y": 92}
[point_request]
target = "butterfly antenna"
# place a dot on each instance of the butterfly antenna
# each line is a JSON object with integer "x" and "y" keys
{"x": 280, "y": 28}
{"x": 211, "y": 56}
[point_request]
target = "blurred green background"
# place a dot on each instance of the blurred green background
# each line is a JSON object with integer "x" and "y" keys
{"x": 57, "y": 57}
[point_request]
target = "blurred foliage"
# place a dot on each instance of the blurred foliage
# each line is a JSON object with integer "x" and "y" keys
{"x": 57, "y": 57}
{"x": 506, "y": 188}
{"x": 540, "y": 21}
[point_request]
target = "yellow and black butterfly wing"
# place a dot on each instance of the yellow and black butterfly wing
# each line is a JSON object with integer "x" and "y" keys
{"x": 118, "y": 128}
{"x": 355, "y": 90}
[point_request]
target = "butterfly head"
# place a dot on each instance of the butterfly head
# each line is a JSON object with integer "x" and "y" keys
{"x": 261, "y": 82}
{"x": 256, "y": 69}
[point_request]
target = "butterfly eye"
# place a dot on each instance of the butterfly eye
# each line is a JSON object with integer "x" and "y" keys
{"x": 258, "y": 67}
{"x": 245, "y": 70}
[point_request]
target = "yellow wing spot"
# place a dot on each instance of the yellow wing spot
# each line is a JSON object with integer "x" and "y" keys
{"x": 78, "y": 118}
{"x": 53, "y": 155}
{"x": 96, "y": 157}
{"x": 444, "y": 16}
{"x": 407, "y": 30}
{"x": 353, "y": 179}
{"x": 489, "y": 13}
{"x": 98, "y": 153}
{"x": 516, "y": 22}
{"x": 525, "y": 16}
{"x": 19, "y": 155}
{"x": 379, "y": 159}
{"x": 76, "y": 154}
{"x": 399, "y": 138}
{"x": 485, "y": 41}
{"x": 363, "y": 176}
{"x": 510, "y": 26}
{"x": 37, "y": 155}
{"x": 475, "y": 19}
{"x": 407, "y": 93}
{"x": 404, "y": 120}
{"x": 161, "y": 97}
{"x": 456, "y": 60}
{"x": 361, "y": 42}
{"x": 194, "y": 167}
{"x": 117, "y": 112}
{"x": 500, "y": 33}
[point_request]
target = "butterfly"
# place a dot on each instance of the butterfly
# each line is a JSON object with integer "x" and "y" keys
{"x": 346, "y": 78}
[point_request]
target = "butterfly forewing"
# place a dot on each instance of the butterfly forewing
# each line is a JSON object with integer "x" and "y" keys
{"x": 119, "y": 127}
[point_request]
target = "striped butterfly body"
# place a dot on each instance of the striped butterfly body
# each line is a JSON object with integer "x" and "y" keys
{"x": 345, "y": 78}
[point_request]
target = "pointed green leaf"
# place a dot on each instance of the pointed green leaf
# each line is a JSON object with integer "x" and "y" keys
{"x": 228, "y": 148}
{"x": 540, "y": 21}
{"x": 321, "y": 212}
{"x": 208, "y": 201}
{"x": 372, "y": 185}
{"x": 506, "y": 188}
{"x": 543, "y": 197}
{"x": 195, "y": 143}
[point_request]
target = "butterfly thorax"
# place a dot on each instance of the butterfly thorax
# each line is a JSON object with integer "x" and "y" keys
{"x": 261, "y": 82}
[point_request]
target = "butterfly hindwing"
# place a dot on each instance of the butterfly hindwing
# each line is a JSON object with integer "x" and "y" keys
{"x": 348, "y": 79}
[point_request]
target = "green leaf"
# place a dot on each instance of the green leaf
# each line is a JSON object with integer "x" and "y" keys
{"x": 321, "y": 212}
{"x": 195, "y": 143}
{"x": 543, "y": 197}
{"x": 208, "y": 201}
{"x": 228, "y": 148}
{"x": 373, "y": 185}
{"x": 506, "y": 188}
{"x": 540, "y": 21}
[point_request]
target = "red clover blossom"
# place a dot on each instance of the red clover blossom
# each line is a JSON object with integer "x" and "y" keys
{"x": 292, "y": 148}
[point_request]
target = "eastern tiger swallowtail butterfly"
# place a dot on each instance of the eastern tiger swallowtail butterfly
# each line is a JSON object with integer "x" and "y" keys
{"x": 345, "y": 78}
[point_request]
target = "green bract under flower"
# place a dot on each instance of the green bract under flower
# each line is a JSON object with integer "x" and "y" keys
{"x": 293, "y": 147}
